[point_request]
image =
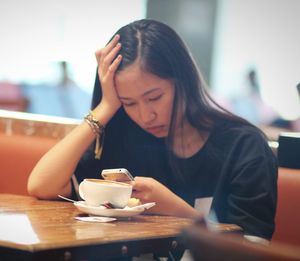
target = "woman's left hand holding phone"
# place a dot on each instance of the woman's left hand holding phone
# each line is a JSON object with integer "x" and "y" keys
{"x": 108, "y": 61}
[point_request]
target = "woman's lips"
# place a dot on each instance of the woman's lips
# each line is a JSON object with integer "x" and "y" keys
{"x": 155, "y": 129}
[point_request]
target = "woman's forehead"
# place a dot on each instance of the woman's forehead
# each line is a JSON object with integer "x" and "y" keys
{"x": 136, "y": 81}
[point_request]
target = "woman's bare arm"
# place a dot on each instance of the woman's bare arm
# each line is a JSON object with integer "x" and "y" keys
{"x": 52, "y": 174}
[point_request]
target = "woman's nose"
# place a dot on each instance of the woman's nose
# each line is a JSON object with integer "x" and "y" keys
{"x": 147, "y": 114}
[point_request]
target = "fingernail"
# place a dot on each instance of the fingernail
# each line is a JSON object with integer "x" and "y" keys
{"x": 117, "y": 36}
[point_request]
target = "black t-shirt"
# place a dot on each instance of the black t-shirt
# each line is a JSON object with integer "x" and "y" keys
{"x": 235, "y": 166}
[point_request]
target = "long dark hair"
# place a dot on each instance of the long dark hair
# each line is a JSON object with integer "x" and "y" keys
{"x": 163, "y": 53}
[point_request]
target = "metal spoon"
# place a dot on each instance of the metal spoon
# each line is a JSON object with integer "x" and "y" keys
{"x": 67, "y": 199}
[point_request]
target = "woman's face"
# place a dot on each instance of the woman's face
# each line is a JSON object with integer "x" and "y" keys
{"x": 146, "y": 98}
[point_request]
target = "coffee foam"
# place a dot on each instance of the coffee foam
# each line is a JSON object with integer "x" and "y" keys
{"x": 108, "y": 182}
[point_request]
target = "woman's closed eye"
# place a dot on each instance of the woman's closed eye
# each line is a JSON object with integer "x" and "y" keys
{"x": 156, "y": 98}
{"x": 128, "y": 104}
{"x": 150, "y": 99}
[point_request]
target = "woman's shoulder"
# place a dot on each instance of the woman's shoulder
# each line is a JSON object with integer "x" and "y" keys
{"x": 242, "y": 144}
{"x": 238, "y": 130}
{"x": 241, "y": 138}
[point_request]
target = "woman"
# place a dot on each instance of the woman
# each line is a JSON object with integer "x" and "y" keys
{"x": 164, "y": 128}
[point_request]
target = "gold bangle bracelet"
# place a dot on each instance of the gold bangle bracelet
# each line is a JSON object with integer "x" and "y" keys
{"x": 90, "y": 118}
{"x": 98, "y": 130}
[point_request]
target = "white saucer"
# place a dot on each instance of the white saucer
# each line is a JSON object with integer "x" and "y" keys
{"x": 107, "y": 212}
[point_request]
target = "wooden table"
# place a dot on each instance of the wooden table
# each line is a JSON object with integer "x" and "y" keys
{"x": 32, "y": 229}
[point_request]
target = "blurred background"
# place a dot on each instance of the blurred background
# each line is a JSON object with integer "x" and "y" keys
{"x": 247, "y": 50}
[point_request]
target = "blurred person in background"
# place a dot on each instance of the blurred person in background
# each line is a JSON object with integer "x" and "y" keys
{"x": 250, "y": 104}
{"x": 73, "y": 100}
{"x": 64, "y": 99}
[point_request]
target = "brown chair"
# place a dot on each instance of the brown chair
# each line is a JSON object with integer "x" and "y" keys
{"x": 24, "y": 139}
{"x": 18, "y": 156}
{"x": 208, "y": 245}
{"x": 287, "y": 220}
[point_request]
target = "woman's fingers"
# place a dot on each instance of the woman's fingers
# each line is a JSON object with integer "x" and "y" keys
{"x": 98, "y": 55}
{"x": 101, "y": 53}
{"x": 106, "y": 57}
{"x": 111, "y": 44}
{"x": 110, "y": 58}
{"x": 107, "y": 49}
{"x": 113, "y": 67}
{"x": 144, "y": 184}
{"x": 108, "y": 76}
{"x": 108, "y": 61}
{"x": 138, "y": 184}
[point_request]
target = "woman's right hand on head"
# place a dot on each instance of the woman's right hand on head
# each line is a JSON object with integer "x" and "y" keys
{"x": 108, "y": 62}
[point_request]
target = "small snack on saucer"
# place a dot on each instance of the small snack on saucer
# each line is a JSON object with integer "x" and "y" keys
{"x": 107, "y": 205}
{"x": 132, "y": 202}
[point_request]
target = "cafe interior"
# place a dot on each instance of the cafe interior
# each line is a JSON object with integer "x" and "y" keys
{"x": 48, "y": 67}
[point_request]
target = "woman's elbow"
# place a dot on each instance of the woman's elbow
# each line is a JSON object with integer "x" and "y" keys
{"x": 37, "y": 189}
{"x": 34, "y": 189}
{"x": 47, "y": 190}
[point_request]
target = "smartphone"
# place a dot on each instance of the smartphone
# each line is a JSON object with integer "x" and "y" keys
{"x": 120, "y": 175}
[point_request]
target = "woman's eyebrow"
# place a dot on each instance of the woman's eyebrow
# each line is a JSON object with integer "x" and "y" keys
{"x": 124, "y": 98}
{"x": 144, "y": 94}
{"x": 150, "y": 91}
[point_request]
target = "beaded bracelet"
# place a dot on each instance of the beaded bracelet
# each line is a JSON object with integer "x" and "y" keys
{"x": 98, "y": 130}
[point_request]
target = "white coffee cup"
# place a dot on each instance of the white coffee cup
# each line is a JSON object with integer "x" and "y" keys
{"x": 97, "y": 191}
